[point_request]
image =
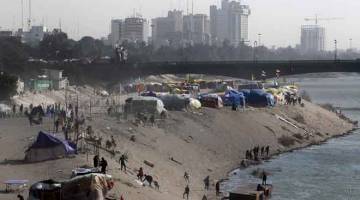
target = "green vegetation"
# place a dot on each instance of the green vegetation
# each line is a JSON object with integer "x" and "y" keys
{"x": 7, "y": 86}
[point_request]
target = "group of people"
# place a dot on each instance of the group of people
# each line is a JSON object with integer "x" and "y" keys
{"x": 206, "y": 182}
{"x": 256, "y": 152}
{"x": 291, "y": 99}
{"x": 103, "y": 164}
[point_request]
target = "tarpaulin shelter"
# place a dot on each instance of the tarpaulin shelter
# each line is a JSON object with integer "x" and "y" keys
{"x": 233, "y": 97}
{"x": 258, "y": 97}
{"x": 48, "y": 147}
{"x": 140, "y": 104}
{"x": 174, "y": 101}
{"x": 93, "y": 186}
{"x": 211, "y": 100}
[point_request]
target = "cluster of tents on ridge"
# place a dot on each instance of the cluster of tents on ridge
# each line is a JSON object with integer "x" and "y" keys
{"x": 231, "y": 97}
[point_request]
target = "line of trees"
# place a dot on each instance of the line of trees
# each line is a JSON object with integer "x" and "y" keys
{"x": 58, "y": 47}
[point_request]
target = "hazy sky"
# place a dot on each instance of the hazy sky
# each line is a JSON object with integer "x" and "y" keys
{"x": 278, "y": 21}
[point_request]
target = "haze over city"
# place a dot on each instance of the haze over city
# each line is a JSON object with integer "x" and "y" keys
{"x": 278, "y": 21}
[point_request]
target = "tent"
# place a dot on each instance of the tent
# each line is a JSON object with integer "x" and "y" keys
{"x": 93, "y": 186}
{"x": 174, "y": 101}
{"x": 211, "y": 100}
{"x": 258, "y": 97}
{"x": 194, "y": 103}
{"x": 233, "y": 97}
{"x": 48, "y": 147}
{"x": 140, "y": 104}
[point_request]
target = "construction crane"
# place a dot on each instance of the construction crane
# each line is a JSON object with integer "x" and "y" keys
{"x": 317, "y": 19}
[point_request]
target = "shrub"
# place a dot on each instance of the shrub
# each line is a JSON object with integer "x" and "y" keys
{"x": 286, "y": 141}
{"x": 299, "y": 136}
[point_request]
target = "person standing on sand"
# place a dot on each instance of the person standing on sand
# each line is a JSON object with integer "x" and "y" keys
{"x": 217, "y": 188}
{"x": 262, "y": 151}
{"x": 123, "y": 163}
{"x": 140, "y": 174}
{"x": 186, "y": 192}
{"x": 264, "y": 178}
{"x": 103, "y": 165}
{"x": 57, "y": 123}
{"x": 207, "y": 183}
{"x": 14, "y": 109}
{"x": 187, "y": 177}
{"x": 267, "y": 149}
{"x": 96, "y": 161}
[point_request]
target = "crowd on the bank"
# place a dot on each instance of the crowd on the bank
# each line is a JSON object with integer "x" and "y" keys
{"x": 257, "y": 152}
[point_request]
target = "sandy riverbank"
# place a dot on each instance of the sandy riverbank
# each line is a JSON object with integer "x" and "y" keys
{"x": 209, "y": 142}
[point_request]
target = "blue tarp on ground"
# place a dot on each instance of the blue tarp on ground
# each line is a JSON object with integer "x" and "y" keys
{"x": 46, "y": 140}
{"x": 258, "y": 97}
{"x": 233, "y": 97}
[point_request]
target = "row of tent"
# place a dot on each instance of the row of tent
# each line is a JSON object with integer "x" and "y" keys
{"x": 252, "y": 97}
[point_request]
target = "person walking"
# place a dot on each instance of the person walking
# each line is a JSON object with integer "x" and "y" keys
{"x": 187, "y": 177}
{"x": 96, "y": 161}
{"x": 140, "y": 174}
{"x": 103, "y": 165}
{"x": 186, "y": 192}
{"x": 207, "y": 183}
{"x": 123, "y": 163}
{"x": 217, "y": 188}
{"x": 21, "y": 109}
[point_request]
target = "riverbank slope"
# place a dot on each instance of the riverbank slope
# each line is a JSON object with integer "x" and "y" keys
{"x": 206, "y": 142}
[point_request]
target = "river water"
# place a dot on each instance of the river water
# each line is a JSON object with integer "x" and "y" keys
{"x": 327, "y": 172}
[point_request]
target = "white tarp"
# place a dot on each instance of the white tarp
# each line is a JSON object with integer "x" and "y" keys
{"x": 4, "y": 108}
{"x": 142, "y": 104}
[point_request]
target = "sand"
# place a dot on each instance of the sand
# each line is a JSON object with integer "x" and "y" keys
{"x": 207, "y": 142}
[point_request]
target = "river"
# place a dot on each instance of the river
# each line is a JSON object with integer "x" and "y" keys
{"x": 326, "y": 172}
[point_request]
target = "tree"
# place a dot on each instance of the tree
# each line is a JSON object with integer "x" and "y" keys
{"x": 12, "y": 54}
{"x": 56, "y": 46}
{"x": 89, "y": 47}
{"x": 8, "y": 84}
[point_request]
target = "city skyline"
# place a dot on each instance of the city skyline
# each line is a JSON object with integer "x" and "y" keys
{"x": 278, "y": 21}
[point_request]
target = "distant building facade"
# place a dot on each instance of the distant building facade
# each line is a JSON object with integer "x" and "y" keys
{"x": 177, "y": 29}
{"x": 312, "y": 38}
{"x": 197, "y": 29}
{"x": 50, "y": 79}
{"x": 117, "y": 31}
{"x": 230, "y": 22}
{"x": 131, "y": 29}
{"x": 168, "y": 30}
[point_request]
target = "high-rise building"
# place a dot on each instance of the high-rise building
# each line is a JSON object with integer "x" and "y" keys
{"x": 117, "y": 31}
{"x": 168, "y": 30}
{"x": 136, "y": 29}
{"x": 230, "y": 22}
{"x": 197, "y": 29}
{"x": 312, "y": 38}
{"x": 131, "y": 29}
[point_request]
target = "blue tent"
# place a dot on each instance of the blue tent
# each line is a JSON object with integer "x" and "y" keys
{"x": 48, "y": 147}
{"x": 233, "y": 97}
{"x": 258, "y": 97}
